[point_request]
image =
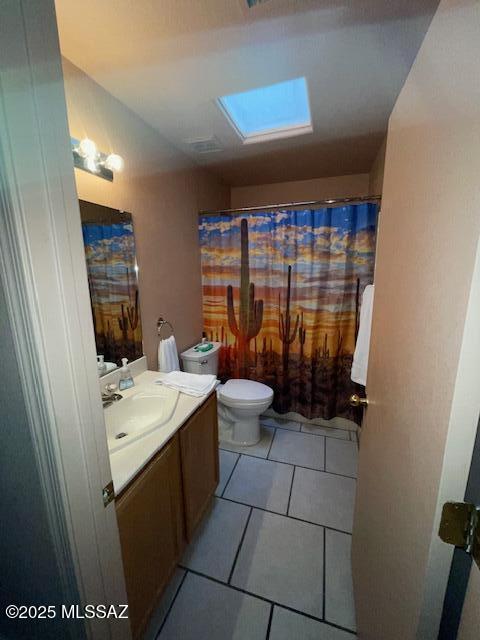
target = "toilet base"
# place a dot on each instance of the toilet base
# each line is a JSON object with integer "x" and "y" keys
{"x": 244, "y": 432}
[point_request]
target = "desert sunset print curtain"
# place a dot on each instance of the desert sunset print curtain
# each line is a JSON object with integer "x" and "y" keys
{"x": 282, "y": 293}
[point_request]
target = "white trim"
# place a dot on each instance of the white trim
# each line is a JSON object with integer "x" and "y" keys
{"x": 43, "y": 271}
{"x": 276, "y": 134}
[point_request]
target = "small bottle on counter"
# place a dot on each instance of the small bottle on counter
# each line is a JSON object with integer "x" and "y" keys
{"x": 126, "y": 379}
{"x": 101, "y": 366}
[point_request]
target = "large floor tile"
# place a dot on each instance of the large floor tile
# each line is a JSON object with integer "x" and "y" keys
{"x": 260, "y": 450}
{"x": 323, "y": 498}
{"x": 161, "y": 611}
{"x": 216, "y": 542}
{"x": 281, "y": 423}
{"x": 298, "y": 448}
{"x": 281, "y": 559}
{"x": 227, "y": 463}
{"x": 206, "y": 610}
{"x": 339, "y": 604}
{"x": 330, "y": 432}
{"x": 341, "y": 457}
{"x": 287, "y": 625}
{"x": 261, "y": 483}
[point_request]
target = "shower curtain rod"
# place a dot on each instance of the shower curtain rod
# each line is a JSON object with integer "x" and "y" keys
{"x": 285, "y": 205}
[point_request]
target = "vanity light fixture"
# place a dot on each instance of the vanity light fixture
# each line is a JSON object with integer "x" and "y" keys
{"x": 90, "y": 164}
{"x": 88, "y": 158}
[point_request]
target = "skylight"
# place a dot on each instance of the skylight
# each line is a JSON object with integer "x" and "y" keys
{"x": 277, "y": 111}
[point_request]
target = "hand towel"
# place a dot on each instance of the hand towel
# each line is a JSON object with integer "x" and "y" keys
{"x": 168, "y": 355}
{"x": 193, "y": 384}
{"x": 360, "y": 357}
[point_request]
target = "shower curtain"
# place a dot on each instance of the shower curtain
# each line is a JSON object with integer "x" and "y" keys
{"x": 281, "y": 292}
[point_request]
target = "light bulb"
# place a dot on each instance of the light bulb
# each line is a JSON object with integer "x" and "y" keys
{"x": 114, "y": 162}
{"x": 87, "y": 148}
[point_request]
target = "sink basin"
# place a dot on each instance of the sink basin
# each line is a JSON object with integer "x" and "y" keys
{"x": 140, "y": 413}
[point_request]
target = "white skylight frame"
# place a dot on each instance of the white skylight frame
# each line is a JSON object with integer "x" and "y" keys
{"x": 274, "y": 133}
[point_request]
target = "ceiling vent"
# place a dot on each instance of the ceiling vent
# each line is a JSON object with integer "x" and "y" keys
{"x": 204, "y": 145}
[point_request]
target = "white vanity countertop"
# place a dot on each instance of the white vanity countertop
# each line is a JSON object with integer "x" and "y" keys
{"x": 127, "y": 462}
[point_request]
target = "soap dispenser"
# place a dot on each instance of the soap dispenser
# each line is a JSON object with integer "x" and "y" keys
{"x": 101, "y": 366}
{"x": 126, "y": 379}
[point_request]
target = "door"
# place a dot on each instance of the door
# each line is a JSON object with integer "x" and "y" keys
{"x": 150, "y": 522}
{"x": 199, "y": 452}
{"x": 422, "y": 385}
{"x": 464, "y": 579}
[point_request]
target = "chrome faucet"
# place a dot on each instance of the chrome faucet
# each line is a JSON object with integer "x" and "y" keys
{"x": 109, "y": 396}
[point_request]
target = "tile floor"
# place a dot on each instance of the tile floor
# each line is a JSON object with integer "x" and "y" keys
{"x": 271, "y": 560}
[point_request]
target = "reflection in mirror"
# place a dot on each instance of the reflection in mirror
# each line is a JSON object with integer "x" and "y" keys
{"x": 112, "y": 278}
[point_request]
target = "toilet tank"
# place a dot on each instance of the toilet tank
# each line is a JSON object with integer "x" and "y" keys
{"x": 201, "y": 362}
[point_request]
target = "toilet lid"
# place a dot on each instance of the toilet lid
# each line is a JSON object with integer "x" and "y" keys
{"x": 246, "y": 390}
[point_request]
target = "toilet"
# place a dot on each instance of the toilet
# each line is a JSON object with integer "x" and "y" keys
{"x": 240, "y": 402}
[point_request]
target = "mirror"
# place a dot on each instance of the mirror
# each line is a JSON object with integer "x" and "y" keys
{"x": 109, "y": 243}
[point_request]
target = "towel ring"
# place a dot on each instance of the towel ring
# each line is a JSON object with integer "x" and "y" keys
{"x": 161, "y": 323}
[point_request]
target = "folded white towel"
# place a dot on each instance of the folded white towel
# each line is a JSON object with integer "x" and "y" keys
{"x": 360, "y": 357}
{"x": 193, "y": 384}
{"x": 168, "y": 355}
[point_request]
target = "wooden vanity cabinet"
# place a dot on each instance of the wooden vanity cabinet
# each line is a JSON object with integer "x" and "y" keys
{"x": 161, "y": 508}
{"x": 199, "y": 454}
{"x": 150, "y": 522}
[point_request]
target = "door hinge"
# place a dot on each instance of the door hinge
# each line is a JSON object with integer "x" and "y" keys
{"x": 108, "y": 494}
{"x": 460, "y": 526}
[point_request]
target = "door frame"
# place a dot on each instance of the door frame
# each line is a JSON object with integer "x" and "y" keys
{"x": 43, "y": 272}
{"x": 461, "y": 561}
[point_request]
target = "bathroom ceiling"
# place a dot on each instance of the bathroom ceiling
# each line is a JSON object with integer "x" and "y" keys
{"x": 169, "y": 60}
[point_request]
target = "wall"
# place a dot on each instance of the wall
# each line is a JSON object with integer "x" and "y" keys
{"x": 164, "y": 194}
{"x": 423, "y": 365}
{"x": 301, "y": 190}
{"x": 377, "y": 170}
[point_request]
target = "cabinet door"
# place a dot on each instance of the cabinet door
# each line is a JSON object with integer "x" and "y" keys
{"x": 199, "y": 452}
{"x": 150, "y": 521}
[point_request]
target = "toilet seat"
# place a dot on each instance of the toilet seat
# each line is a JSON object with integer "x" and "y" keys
{"x": 241, "y": 393}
